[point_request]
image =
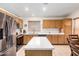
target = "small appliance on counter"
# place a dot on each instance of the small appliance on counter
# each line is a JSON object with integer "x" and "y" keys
{"x": 61, "y": 30}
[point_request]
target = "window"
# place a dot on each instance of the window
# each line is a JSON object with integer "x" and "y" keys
{"x": 34, "y": 26}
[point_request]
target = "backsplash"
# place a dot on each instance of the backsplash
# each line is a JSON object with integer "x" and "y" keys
{"x": 53, "y": 30}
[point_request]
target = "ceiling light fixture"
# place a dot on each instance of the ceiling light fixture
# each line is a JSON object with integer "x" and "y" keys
{"x": 44, "y": 9}
{"x": 33, "y": 15}
{"x": 27, "y": 9}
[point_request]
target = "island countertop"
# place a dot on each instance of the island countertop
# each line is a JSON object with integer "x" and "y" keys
{"x": 39, "y": 43}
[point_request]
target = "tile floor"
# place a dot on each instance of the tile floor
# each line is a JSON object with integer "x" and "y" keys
{"x": 60, "y": 50}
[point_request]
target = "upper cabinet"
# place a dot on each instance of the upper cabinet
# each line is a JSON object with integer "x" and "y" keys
{"x": 58, "y": 23}
{"x": 19, "y": 23}
{"x": 67, "y": 26}
{"x": 52, "y": 23}
{"x": 48, "y": 23}
{"x": 67, "y": 21}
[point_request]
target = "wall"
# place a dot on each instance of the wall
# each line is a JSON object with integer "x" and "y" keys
{"x": 76, "y": 23}
{"x": 30, "y": 19}
{"x": 74, "y": 14}
{"x": 55, "y": 30}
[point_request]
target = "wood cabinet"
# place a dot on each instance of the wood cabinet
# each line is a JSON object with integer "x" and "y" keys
{"x": 67, "y": 26}
{"x": 24, "y": 39}
{"x": 52, "y": 23}
{"x": 67, "y": 21}
{"x": 50, "y": 38}
{"x": 48, "y": 24}
{"x": 38, "y": 53}
{"x": 19, "y": 22}
{"x": 61, "y": 39}
{"x": 27, "y": 38}
{"x": 58, "y": 23}
{"x": 56, "y": 39}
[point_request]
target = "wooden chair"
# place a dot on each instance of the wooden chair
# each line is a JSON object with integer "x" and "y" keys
{"x": 73, "y": 41}
{"x": 74, "y": 36}
{"x": 74, "y": 49}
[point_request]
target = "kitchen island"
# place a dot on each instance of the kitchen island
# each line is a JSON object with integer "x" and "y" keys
{"x": 39, "y": 46}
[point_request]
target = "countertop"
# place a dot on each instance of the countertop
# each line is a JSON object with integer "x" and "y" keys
{"x": 39, "y": 43}
{"x": 37, "y": 34}
{"x": 18, "y": 36}
{"x": 44, "y": 34}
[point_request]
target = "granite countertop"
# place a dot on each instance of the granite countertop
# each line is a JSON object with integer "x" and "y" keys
{"x": 39, "y": 43}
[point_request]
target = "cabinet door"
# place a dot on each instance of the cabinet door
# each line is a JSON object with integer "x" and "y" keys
{"x": 67, "y": 28}
{"x": 58, "y": 23}
{"x": 54, "y": 39}
{"x": 65, "y": 39}
{"x": 52, "y": 23}
{"x": 48, "y": 23}
{"x": 68, "y": 21}
{"x": 50, "y": 38}
{"x": 27, "y": 38}
{"x": 19, "y": 23}
{"x": 45, "y": 24}
{"x": 67, "y": 31}
{"x": 61, "y": 39}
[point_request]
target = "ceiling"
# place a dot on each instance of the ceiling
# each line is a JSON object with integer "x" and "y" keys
{"x": 36, "y": 9}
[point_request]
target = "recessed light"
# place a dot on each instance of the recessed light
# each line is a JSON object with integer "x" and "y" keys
{"x": 44, "y": 9}
{"x": 33, "y": 15}
{"x": 27, "y": 9}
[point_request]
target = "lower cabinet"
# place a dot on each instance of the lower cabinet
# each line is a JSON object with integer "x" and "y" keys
{"x": 65, "y": 37}
{"x": 27, "y": 38}
{"x": 61, "y": 39}
{"x": 56, "y": 39}
{"x": 49, "y": 38}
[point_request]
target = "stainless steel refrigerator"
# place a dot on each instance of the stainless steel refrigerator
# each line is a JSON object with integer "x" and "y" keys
{"x": 7, "y": 35}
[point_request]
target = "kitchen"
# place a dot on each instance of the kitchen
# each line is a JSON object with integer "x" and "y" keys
{"x": 37, "y": 32}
